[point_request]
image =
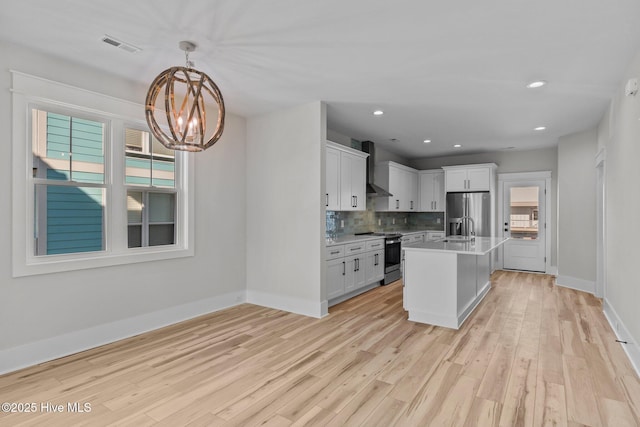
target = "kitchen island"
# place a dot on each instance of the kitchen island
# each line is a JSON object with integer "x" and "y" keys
{"x": 446, "y": 279}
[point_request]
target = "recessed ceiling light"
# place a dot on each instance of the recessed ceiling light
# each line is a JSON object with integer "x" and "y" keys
{"x": 536, "y": 84}
{"x": 426, "y": 141}
{"x": 540, "y": 128}
{"x": 378, "y": 113}
{"x": 457, "y": 146}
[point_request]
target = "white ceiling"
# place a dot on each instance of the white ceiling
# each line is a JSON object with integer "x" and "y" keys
{"x": 451, "y": 71}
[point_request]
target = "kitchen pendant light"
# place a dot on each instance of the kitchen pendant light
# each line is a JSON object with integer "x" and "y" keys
{"x": 176, "y": 107}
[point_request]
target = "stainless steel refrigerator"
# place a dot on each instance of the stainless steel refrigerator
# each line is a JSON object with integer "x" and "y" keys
{"x": 461, "y": 207}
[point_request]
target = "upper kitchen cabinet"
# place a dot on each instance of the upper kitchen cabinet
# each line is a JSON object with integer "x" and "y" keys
{"x": 469, "y": 177}
{"x": 431, "y": 190}
{"x": 346, "y": 179}
{"x": 332, "y": 195}
{"x": 402, "y": 183}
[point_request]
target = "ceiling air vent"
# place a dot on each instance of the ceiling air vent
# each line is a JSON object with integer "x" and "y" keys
{"x": 122, "y": 45}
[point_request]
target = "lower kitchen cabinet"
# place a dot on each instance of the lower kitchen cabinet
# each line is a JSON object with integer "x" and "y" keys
{"x": 354, "y": 278}
{"x": 336, "y": 273}
{"x": 374, "y": 266}
{"x": 434, "y": 235}
{"x": 353, "y": 266}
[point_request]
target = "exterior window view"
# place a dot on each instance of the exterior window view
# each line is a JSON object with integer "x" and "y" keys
{"x": 71, "y": 191}
{"x": 151, "y": 197}
{"x": 69, "y": 165}
{"x": 524, "y": 213}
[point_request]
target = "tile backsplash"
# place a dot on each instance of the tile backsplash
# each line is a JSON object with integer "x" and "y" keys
{"x": 370, "y": 220}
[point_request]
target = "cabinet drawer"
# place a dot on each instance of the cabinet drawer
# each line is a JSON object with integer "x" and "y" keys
{"x": 354, "y": 248}
{"x": 375, "y": 245}
{"x": 433, "y": 235}
{"x": 334, "y": 252}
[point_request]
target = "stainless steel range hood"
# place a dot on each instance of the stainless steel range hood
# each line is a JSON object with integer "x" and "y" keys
{"x": 373, "y": 189}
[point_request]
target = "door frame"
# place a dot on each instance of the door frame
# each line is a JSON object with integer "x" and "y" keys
{"x": 526, "y": 176}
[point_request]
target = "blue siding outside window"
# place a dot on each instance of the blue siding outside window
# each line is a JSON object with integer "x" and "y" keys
{"x": 74, "y": 214}
{"x": 74, "y": 219}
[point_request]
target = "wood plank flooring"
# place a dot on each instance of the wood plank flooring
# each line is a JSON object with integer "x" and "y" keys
{"x": 532, "y": 354}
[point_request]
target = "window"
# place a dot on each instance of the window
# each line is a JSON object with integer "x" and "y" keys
{"x": 69, "y": 183}
{"x": 91, "y": 187}
{"x": 150, "y": 212}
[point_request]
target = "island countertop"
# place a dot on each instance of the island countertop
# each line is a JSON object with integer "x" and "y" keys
{"x": 454, "y": 244}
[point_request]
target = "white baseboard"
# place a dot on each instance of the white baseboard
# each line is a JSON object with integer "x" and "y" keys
{"x": 577, "y": 284}
{"x": 52, "y": 348}
{"x": 622, "y": 333}
{"x": 286, "y": 303}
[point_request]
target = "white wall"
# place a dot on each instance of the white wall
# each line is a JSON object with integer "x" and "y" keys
{"x": 510, "y": 161}
{"x": 619, "y": 133}
{"x": 285, "y": 209}
{"x": 47, "y": 316}
{"x": 577, "y": 210}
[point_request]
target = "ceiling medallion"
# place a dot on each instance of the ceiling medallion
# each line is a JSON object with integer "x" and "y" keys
{"x": 176, "y": 107}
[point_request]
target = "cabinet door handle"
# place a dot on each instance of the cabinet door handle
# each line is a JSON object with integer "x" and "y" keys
{"x": 344, "y": 268}
{"x": 356, "y": 202}
{"x": 411, "y": 204}
{"x": 356, "y": 249}
{"x": 335, "y": 252}
{"x": 397, "y": 204}
{"x": 327, "y": 199}
{"x": 376, "y": 259}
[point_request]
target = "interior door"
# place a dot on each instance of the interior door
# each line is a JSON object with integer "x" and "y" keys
{"x": 525, "y": 224}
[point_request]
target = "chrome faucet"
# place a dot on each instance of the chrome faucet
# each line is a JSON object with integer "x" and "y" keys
{"x": 470, "y": 234}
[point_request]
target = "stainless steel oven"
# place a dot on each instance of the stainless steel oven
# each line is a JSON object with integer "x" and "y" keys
{"x": 392, "y": 258}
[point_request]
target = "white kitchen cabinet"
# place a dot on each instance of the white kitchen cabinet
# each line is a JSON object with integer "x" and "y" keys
{"x": 431, "y": 190}
{"x": 336, "y": 272}
{"x": 402, "y": 182}
{"x": 374, "y": 266}
{"x": 412, "y": 238}
{"x": 353, "y": 266}
{"x": 355, "y": 272}
{"x": 332, "y": 180}
{"x": 469, "y": 177}
{"x": 345, "y": 182}
{"x": 434, "y": 235}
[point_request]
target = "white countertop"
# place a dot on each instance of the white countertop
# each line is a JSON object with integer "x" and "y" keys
{"x": 479, "y": 246}
{"x": 352, "y": 238}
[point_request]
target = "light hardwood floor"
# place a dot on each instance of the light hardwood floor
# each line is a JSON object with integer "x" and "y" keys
{"x": 532, "y": 354}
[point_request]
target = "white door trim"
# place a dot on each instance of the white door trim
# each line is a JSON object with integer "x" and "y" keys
{"x": 526, "y": 176}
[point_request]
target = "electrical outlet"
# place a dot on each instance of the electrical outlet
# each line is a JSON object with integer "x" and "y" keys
{"x": 438, "y": 221}
{"x": 379, "y": 221}
{"x": 405, "y": 220}
{"x": 342, "y": 223}
{"x": 393, "y": 221}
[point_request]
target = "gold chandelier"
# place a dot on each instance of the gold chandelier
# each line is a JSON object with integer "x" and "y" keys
{"x": 180, "y": 122}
